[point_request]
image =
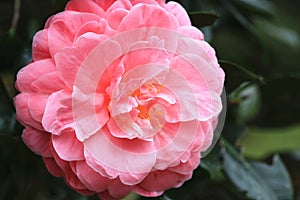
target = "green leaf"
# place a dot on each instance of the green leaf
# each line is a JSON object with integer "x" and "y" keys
{"x": 259, "y": 143}
{"x": 247, "y": 102}
{"x": 200, "y": 19}
{"x": 213, "y": 165}
{"x": 277, "y": 177}
{"x": 244, "y": 176}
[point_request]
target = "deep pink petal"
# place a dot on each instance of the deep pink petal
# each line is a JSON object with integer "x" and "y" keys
{"x": 91, "y": 179}
{"x": 37, "y": 141}
{"x": 88, "y": 6}
{"x": 23, "y": 114}
{"x": 36, "y": 105}
{"x": 27, "y": 75}
{"x": 104, "y": 4}
{"x": 67, "y": 146}
{"x": 52, "y": 167}
{"x": 159, "y": 181}
{"x": 40, "y": 47}
{"x": 118, "y": 190}
{"x": 116, "y": 16}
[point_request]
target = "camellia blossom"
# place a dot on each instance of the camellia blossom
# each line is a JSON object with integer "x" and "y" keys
{"x": 121, "y": 96}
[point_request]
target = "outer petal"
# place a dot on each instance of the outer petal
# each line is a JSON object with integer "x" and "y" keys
{"x": 37, "y": 141}
{"x": 48, "y": 83}
{"x": 93, "y": 180}
{"x": 40, "y": 47}
{"x": 88, "y": 6}
{"x": 143, "y": 15}
{"x": 23, "y": 113}
{"x": 27, "y": 75}
{"x": 159, "y": 181}
{"x": 52, "y": 167}
{"x": 67, "y": 146}
{"x": 179, "y": 12}
{"x": 62, "y": 30}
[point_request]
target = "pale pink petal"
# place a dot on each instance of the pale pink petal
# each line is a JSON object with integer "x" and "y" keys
{"x": 123, "y": 4}
{"x": 40, "y": 47}
{"x": 144, "y": 15}
{"x": 52, "y": 167}
{"x": 23, "y": 114}
{"x": 68, "y": 146}
{"x": 52, "y": 121}
{"x": 113, "y": 161}
{"x": 192, "y": 32}
{"x": 37, "y": 141}
{"x": 88, "y": 6}
{"x": 70, "y": 59}
{"x": 178, "y": 146}
{"x": 179, "y": 12}
{"x": 27, "y": 75}
{"x": 188, "y": 166}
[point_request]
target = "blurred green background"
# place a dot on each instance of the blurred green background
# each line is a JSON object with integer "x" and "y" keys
{"x": 258, "y": 156}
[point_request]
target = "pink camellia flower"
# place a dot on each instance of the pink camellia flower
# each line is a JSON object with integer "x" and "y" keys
{"x": 121, "y": 96}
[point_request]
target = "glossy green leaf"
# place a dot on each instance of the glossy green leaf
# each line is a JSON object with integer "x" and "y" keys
{"x": 277, "y": 177}
{"x": 200, "y": 19}
{"x": 244, "y": 176}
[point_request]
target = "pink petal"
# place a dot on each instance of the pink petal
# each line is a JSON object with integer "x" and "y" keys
{"x": 179, "y": 12}
{"x": 36, "y": 105}
{"x": 192, "y": 32}
{"x": 178, "y": 145}
{"x": 40, "y": 48}
{"x": 27, "y": 75}
{"x": 69, "y": 60}
{"x": 104, "y": 4}
{"x": 37, "y": 141}
{"x": 159, "y": 181}
{"x": 118, "y": 190}
{"x": 88, "y": 6}
{"x": 52, "y": 167}
{"x": 188, "y": 166}
{"x": 62, "y": 30}
{"x": 23, "y": 114}
{"x": 52, "y": 121}
{"x": 91, "y": 179}
{"x": 112, "y": 161}
{"x": 116, "y": 16}
{"x": 68, "y": 146}
{"x": 154, "y": 2}
{"x": 144, "y": 15}
{"x": 48, "y": 83}
{"x": 105, "y": 195}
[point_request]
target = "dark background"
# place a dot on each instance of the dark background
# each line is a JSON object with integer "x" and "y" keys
{"x": 257, "y": 157}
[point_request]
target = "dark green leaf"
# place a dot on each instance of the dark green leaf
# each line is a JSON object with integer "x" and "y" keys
{"x": 200, "y": 19}
{"x": 7, "y": 114}
{"x": 277, "y": 177}
{"x": 280, "y": 102}
{"x": 243, "y": 175}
